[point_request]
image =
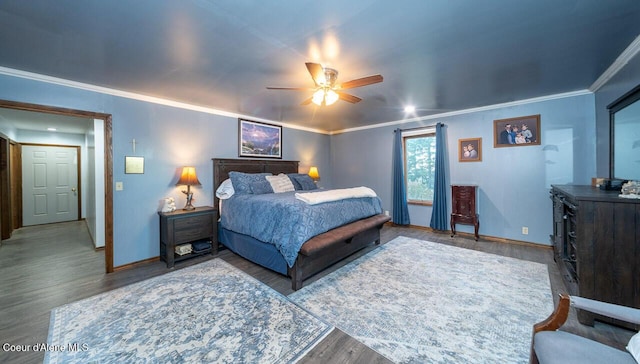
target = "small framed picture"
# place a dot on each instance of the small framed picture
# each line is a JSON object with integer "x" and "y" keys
{"x": 134, "y": 165}
{"x": 470, "y": 150}
{"x": 516, "y": 132}
{"x": 259, "y": 139}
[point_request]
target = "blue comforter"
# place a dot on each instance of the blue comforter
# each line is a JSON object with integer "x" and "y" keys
{"x": 282, "y": 220}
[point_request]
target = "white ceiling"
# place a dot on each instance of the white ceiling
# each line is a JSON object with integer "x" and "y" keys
{"x": 439, "y": 55}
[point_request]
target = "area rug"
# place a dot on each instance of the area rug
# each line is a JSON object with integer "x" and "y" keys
{"x": 207, "y": 313}
{"x": 416, "y": 301}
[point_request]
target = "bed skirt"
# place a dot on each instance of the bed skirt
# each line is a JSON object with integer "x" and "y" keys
{"x": 252, "y": 249}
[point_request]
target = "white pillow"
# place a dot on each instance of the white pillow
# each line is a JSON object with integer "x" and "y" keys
{"x": 280, "y": 183}
{"x": 634, "y": 346}
{"x": 225, "y": 190}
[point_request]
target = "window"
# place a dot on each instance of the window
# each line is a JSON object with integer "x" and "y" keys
{"x": 420, "y": 166}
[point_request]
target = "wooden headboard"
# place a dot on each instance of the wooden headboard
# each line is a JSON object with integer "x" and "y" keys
{"x": 222, "y": 167}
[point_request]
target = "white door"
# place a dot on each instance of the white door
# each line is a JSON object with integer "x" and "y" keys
{"x": 49, "y": 184}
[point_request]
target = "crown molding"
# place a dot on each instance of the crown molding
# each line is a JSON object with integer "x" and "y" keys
{"x": 617, "y": 65}
{"x": 141, "y": 97}
{"x": 620, "y": 62}
{"x": 468, "y": 111}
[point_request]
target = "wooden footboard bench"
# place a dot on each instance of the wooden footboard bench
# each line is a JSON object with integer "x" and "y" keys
{"x": 326, "y": 249}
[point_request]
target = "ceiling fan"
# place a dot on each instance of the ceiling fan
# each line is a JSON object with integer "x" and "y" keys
{"x": 326, "y": 91}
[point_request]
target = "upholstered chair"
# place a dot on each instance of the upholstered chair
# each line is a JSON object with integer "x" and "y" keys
{"x": 550, "y": 345}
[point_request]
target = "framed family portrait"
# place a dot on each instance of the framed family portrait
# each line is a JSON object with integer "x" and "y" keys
{"x": 256, "y": 139}
{"x": 470, "y": 150}
{"x": 516, "y": 132}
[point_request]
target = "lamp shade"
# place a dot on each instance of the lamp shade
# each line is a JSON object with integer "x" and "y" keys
{"x": 318, "y": 97}
{"x": 324, "y": 96}
{"x": 330, "y": 97}
{"x": 313, "y": 173}
{"x": 188, "y": 177}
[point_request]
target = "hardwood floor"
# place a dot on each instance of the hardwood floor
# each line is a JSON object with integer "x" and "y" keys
{"x": 43, "y": 267}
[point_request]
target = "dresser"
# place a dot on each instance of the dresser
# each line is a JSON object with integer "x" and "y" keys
{"x": 463, "y": 209}
{"x": 596, "y": 241}
{"x": 183, "y": 227}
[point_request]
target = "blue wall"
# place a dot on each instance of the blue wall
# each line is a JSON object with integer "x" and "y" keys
{"x": 513, "y": 182}
{"x": 168, "y": 138}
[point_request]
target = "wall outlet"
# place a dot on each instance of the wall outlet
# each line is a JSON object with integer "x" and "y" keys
{"x": 525, "y": 230}
{"x": 386, "y": 212}
{"x": 119, "y": 186}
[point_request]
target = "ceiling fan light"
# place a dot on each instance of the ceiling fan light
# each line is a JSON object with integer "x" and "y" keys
{"x": 318, "y": 97}
{"x": 331, "y": 97}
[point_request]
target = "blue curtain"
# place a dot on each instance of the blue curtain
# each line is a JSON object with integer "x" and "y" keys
{"x": 439, "y": 213}
{"x": 400, "y": 206}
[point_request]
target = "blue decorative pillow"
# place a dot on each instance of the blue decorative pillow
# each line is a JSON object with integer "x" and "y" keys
{"x": 261, "y": 187}
{"x": 305, "y": 182}
{"x": 242, "y": 181}
{"x": 296, "y": 185}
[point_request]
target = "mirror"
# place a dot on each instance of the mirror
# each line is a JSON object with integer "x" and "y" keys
{"x": 624, "y": 156}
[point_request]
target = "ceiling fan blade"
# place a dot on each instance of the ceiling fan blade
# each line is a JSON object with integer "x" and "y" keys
{"x": 316, "y": 71}
{"x": 291, "y": 88}
{"x": 361, "y": 82}
{"x": 306, "y": 101}
{"x": 348, "y": 98}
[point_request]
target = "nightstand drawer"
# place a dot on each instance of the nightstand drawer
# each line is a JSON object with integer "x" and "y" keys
{"x": 192, "y": 228}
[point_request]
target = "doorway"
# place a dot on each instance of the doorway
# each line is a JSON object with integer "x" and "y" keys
{"x": 5, "y": 204}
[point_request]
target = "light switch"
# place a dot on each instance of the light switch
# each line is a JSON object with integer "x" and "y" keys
{"x": 119, "y": 186}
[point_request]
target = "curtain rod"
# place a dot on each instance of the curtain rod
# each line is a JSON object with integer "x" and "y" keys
{"x": 420, "y": 127}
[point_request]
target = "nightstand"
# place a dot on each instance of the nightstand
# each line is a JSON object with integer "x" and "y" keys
{"x": 182, "y": 227}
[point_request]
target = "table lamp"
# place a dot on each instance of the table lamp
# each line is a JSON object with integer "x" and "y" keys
{"x": 188, "y": 178}
{"x": 313, "y": 173}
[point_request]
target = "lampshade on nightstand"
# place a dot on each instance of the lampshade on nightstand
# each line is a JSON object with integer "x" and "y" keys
{"x": 313, "y": 173}
{"x": 188, "y": 178}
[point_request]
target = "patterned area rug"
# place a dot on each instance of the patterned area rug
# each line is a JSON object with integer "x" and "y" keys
{"x": 207, "y": 313}
{"x": 415, "y": 301}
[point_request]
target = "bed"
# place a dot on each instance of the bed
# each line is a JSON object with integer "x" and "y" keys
{"x": 315, "y": 254}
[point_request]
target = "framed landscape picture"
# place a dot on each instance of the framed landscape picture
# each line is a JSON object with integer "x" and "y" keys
{"x": 256, "y": 139}
{"x": 516, "y": 132}
{"x": 470, "y": 150}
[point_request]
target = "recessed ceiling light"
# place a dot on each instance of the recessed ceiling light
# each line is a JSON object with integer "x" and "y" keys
{"x": 52, "y": 129}
{"x": 409, "y": 109}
